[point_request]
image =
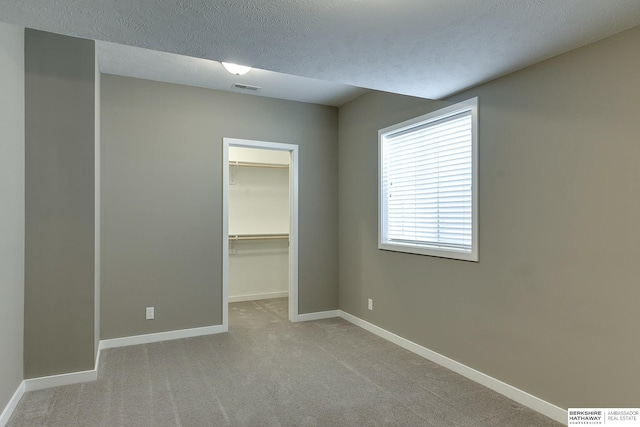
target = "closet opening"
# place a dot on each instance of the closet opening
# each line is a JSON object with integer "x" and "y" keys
{"x": 260, "y": 226}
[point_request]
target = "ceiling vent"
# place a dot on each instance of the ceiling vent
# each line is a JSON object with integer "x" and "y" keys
{"x": 246, "y": 87}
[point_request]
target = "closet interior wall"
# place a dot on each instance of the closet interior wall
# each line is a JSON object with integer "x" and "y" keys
{"x": 258, "y": 224}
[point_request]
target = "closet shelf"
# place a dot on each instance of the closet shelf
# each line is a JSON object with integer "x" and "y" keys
{"x": 257, "y": 236}
{"x": 259, "y": 165}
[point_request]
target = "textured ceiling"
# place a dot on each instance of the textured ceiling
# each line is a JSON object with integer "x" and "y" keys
{"x": 168, "y": 67}
{"x": 428, "y": 48}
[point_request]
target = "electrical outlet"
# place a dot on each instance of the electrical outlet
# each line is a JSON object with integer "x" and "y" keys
{"x": 370, "y": 304}
{"x": 150, "y": 313}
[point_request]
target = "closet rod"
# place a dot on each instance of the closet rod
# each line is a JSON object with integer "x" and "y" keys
{"x": 259, "y": 165}
{"x": 258, "y": 236}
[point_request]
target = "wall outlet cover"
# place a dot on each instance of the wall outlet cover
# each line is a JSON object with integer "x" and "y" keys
{"x": 150, "y": 313}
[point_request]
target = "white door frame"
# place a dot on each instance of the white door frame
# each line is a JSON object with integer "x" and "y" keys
{"x": 293, "y": 222}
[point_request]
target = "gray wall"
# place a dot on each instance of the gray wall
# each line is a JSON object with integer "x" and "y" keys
{"x": 96, "y": 224}
{"x": 12, "y": 209}
{"x": 552, "y": 306}
{"x": 59, "y": 233}
{"x": 162, "y": 206}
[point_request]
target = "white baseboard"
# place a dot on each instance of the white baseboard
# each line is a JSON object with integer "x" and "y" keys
{"x": 317, "y": 315}
{"x": 494, "y": 384}
{"x": 507, "y": 390}
{"x": 162, "y": 336}
{"x": 98, "y": 354}
{"x": 92, "y": 375}
{"x": 254, "y": 297}
{"x": 11, "y": 405}
{"x": 59, "y": 380}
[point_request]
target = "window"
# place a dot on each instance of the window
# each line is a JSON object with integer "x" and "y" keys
{"x": 428, "y": 184}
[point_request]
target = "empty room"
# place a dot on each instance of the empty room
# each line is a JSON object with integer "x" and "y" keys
{"x": 319, "y": 213}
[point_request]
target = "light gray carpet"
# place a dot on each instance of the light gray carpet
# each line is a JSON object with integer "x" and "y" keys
{"x": 269, "y": 372}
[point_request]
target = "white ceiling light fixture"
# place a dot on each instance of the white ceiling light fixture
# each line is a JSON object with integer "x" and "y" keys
{"x": 238, "y": 70}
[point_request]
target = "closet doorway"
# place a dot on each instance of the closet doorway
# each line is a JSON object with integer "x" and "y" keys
{"x": 259, "y": 233}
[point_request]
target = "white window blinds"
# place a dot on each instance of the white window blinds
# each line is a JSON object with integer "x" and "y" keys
{"x": 427, "y": 178}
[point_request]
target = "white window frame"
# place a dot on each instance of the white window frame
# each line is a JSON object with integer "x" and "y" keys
{"x": 470, "y": 105}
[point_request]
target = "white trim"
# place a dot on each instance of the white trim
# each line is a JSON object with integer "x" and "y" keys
{"x": 293, "y": 222}
{"x": 11, "y": 405}
{"x": 384, "y": 243}
{"x": 161, "y": 336}
{"x": 255, "y": 297}
{"x": 513, "y": 393}
{"x": 293, "y": 232}
{"x": 98, "y": 354}
{"x": 225, "y": 233}
{"x": 92, "y": 375}
{"x": 60, "y": 380}
{"x": 317, "y": 315}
